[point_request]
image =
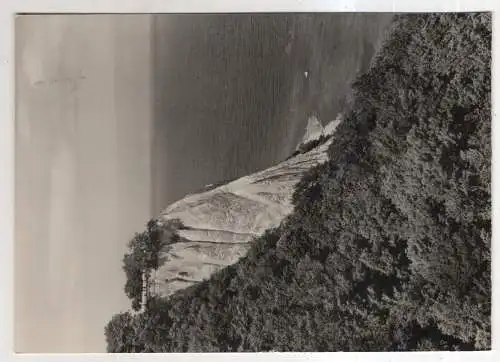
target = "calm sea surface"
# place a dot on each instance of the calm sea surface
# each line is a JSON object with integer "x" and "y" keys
{"x": 230, "y": 92}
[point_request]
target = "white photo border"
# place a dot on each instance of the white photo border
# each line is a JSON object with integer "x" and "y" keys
{"x": 8, "y": 8}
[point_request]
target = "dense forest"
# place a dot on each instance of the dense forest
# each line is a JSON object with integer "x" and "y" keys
{"x": 388, "y": 247}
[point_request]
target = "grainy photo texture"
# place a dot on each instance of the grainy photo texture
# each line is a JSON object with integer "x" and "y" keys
{"x": 253, "y": 182}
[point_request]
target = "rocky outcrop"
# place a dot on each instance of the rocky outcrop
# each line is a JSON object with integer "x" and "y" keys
{"x": 220, "y": 224}
{"x": 314, "y": 130}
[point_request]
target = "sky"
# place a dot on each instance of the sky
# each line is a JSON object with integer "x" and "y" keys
{"x": 83, "y": 144}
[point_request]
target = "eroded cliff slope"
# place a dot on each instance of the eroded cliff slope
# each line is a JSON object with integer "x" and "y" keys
{"x": 220, "y": 223}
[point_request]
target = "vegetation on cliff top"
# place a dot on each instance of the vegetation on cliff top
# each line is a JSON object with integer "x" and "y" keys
{"x": 143, "y": 256}
{"x": 388, "y": 247}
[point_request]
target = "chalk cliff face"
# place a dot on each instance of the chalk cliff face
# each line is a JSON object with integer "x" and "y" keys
{"x": 219, "y": 224}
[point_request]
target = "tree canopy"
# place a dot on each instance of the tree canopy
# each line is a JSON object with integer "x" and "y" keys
{"x": 144, "y": 255}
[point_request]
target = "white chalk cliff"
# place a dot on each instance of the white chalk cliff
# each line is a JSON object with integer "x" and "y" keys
{"x": 221, "y": 223}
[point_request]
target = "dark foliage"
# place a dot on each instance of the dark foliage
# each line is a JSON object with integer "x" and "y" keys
{"x": 121, "y": 334}
{"x": 308, "y": 146}
{"x": 388, "y": 247}
{"x": 144, "y": 256}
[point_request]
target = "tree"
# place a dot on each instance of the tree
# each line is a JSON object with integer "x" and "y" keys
{"x": 121, "y": 336}
{"x": 133, "y": 285}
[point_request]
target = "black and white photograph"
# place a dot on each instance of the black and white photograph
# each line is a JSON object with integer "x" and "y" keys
{"x": 252, "y": 182}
